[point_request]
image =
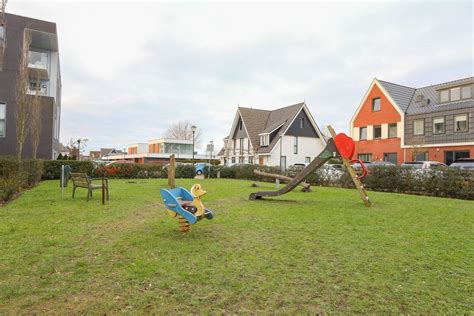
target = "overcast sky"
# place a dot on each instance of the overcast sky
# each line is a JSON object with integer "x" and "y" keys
{"x": 129, "y": 69}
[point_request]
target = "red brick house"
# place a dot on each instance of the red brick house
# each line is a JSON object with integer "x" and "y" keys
{"x": 398, "y": 123}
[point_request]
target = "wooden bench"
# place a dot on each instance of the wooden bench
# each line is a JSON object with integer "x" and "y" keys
{"x": 82, "y": 180}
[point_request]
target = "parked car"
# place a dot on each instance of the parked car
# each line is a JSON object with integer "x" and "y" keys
{"x": 380, "y": 163}
{"x": 357, "y": 165}
{"x": 464, "y": 163}
{"x": 200, "y": 167}
{"x": 423, "y": 165}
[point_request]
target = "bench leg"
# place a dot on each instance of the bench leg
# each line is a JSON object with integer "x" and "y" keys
{"x": 107, "y": 192}
{"x": 73, "y": 191}
{"x": 89, "y": 194}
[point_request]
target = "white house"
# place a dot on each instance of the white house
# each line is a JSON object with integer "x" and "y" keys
{"x": 283, "y": 137}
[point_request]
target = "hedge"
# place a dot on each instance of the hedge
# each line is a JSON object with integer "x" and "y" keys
{"x": 448, "y": 182}
{"x": 16, "y": 175}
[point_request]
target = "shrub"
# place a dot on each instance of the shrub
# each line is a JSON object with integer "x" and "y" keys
{"x": 11, "y": 177}
{"x": 129, "y": 171}
{"x": 52, "y": 168}
{"x": 33, "y": 171}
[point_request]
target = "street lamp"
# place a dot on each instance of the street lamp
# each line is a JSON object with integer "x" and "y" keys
{"x": 193, "y": 129}
{"x": 210, "y": 149}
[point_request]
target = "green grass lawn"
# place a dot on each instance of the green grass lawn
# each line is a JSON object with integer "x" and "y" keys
{"x": 303, "y": 252}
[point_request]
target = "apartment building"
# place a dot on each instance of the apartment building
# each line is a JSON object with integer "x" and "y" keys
{"x": 398, "y": 123}
{"x": 45, "y": 76}
{"x": 281, "y": 137}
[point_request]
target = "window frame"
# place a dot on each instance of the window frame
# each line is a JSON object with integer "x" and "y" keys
{"x": 396, "y": 130}
{"x": 379, "y": 104}
{"x": 369, "y": 155}
{"x": 301, "y": 122}
{"x": 448, "y": 96}
{"x": 4, "y": 104}
{"x": 444, "y": 125}
{"x": 241, "y": 145}
{"x": 467, "y": 123}
{"x": 295, "y": 145}
{"x": 380, "y": 127}
{"x": 307, "y": 159}
{"x": 414, "y": 122}
{"x": 470, "y": 92}
{"x": 451, "y": 94}
{"x": 360, "y": 132}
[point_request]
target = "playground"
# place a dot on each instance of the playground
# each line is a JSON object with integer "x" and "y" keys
{"x": 322, "y": 251}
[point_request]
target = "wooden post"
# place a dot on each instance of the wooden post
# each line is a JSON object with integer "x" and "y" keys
{"x": 172, "y": 172}
{"x": 103, "y": 190}
{"x": 359, "y": 186}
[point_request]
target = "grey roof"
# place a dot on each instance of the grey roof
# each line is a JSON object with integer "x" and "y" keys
{"x": 402, "y": 95}
{"x": 432, "y": 93}
{"x": 259, "y": 121}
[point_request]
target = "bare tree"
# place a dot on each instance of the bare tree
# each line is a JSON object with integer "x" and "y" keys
{"x": 415, "y": 144}
{"x": 75, "y": 146}
{"x": 21, "y": 90}
{"x": 35, "y": 119}
{"x": 182, "y": 130}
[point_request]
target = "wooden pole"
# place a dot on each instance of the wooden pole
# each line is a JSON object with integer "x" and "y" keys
{"x": 103, "y": 190}
{"x": 359, "y": 186}
{"x": 172, "y": 172}
{"x": 306, "y": 186}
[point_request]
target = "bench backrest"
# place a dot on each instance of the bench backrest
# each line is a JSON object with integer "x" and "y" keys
{"x": 80, "y": 179}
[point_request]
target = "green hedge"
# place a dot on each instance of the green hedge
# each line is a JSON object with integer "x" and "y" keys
{"x": 16, "y": 175}
{"x": 52, "y": 168}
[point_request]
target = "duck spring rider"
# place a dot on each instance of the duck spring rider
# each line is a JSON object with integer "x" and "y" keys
{"x": 186, "y": 205}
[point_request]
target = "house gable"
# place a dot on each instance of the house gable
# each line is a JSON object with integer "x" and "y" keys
{"x": 389, "y": 111}
{"x": 240, "y": 131}
{"x": 302, "y": 126}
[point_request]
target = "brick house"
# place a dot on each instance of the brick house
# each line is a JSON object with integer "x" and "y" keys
{"x": 398, "y": 123}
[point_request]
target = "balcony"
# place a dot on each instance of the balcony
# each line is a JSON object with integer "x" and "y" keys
{"x": 38, "y": 65}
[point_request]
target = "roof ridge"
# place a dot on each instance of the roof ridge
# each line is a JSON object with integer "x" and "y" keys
{"x": 447, "y": 82}
{"x": 401, "y": 85}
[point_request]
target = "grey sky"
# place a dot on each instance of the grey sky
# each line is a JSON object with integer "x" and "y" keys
{"x": 131, "y": 69}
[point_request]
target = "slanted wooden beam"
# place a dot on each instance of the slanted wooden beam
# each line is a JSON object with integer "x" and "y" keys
{"x": 359, "y": 186}
{"x": 306, "y": 186}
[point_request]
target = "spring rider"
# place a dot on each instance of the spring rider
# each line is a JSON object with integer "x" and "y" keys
{"x": 186, "y": 205}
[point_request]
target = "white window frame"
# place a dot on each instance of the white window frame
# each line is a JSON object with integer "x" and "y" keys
{"x": 444, "y": 96}
{"x": 422, "y": 127}
{"x": 466, "y": 95}
{"x": 458, "y": 89}
{"x": 438, "y": 120}
{"x": 4, "y": 119}
{"x": 466, "y": 118}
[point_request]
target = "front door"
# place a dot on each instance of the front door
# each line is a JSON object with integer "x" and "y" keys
{"x": 260, "y": 160}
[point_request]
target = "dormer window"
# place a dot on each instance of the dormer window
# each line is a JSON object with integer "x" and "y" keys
{"x": 264, "y": 140}
{"x": 455, "y": 94}
{"x": 302, "y": 122}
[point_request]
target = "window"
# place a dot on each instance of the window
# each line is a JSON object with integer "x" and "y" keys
{"x": 2, "y": 32}
{"x": 3, "y": 118}
{"x": 466, "y": 92}
{"x": 241, "y": 144}
{"x": 240, "y": 125}
{"x": 375, "y": 104}
{"x": 455, "y": 94}
{"x": 250, "y": 159}
{"x": 307, "y": 159}
{"x": 419, "y": 127}
{"x": 438, "y": 125}
{"x": 450, "y": 156}
{"x": 365, "y": 157}
{"x": 392, "y": 130}
{"x": 423, "y": 156}
{"x": 283, "y": 162}
{"x": 444, "y": 96}
{"x": 377, "y": 132}
{"x": 460, "y": 123}
{"x": 295, "y": 145}
{"x": 264, "y": 140}
{"x": 363, "y": 133}
{"x": 235, "y": 145}
{"x": 233, "y": 160}
{"x": 390, "y": 157}
{"x": 302, "y": 122}
{"x": 241, "y": 159}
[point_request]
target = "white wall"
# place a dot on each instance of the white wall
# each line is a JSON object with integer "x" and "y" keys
{"x": 307, "y": 147}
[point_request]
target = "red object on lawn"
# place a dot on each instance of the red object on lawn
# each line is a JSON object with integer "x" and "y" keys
{"x": 345, "y": 145}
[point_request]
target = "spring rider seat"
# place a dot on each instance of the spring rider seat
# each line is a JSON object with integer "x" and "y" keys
{"x": 187, "y": 205}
